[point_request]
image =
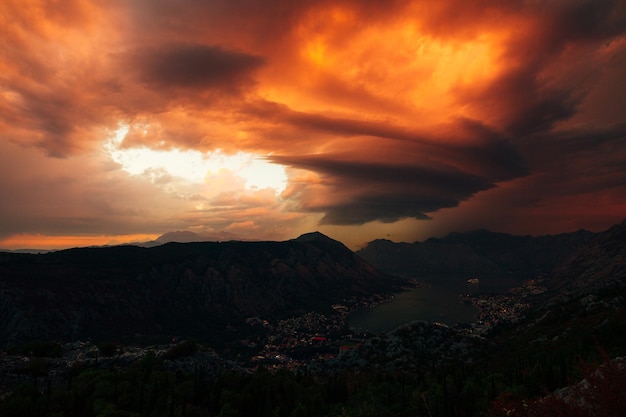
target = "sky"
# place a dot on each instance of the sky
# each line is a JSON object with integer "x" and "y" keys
{"x": 123, "y": 120}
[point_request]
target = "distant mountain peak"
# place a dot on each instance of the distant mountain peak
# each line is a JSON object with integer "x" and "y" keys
{"x": 186, "y": 236}
{"x": 320, "y": 238}
{"x": 182, "y": 236}
{"x": 306, "y": 237}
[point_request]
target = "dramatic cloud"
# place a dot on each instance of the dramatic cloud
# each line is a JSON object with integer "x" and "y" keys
{"x": 194, "y": 67}
{"x": 386, "y": 192}
{"x": 268, "y": 119}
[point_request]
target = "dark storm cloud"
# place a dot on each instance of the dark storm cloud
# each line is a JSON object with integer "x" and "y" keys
{"x": 391, "y": 175}
{"x": 541, "y": 88}
{"x": 195, "y": 66}
{"x": 586, "y": 20}
{"x": 559, "y": 21}
{"x": 523, "y": 100}
{"x": 464, "y": 142}
{"x": 484, "y": 151}
{"x": 385, "y": 191}
{"x": 384, "y": 208}
{"x": 581, "y": 160}
{"x": 608, "y": 140}
{"x": 532, "y": 106}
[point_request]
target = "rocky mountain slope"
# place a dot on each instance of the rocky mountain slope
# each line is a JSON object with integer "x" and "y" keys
{"x": 203, "y": 290}
{"x": 601, "y": 263}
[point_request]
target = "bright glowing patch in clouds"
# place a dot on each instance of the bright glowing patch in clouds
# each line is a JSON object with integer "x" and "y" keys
{"x": 504, "y": 115}
{"x": 194, "y": 166}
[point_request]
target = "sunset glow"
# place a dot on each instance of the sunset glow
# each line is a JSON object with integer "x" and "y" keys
{"x": 55, "y": 242}
{"x": 193, "y": 166}
{"x": 364, "y": 119}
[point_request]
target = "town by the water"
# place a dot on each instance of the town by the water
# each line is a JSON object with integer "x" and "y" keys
{"x": 311, "y": 340}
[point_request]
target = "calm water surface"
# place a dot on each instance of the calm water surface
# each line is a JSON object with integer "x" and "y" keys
{"x": 438, "y": 302}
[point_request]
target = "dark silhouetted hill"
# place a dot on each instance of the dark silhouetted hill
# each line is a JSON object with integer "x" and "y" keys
{"x": 189, "y": 289}
{"x": 476, "y": 252}
{"x": 599, "y": 264}
{"x": 186, "y": 236}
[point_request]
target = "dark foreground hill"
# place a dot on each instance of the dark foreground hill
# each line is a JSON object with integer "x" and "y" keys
{"x": 194, "y": 289}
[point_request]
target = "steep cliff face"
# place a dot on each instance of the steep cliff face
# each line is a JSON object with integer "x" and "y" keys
{"x": 476, "y": 252}
{"x": 191, "y": 289}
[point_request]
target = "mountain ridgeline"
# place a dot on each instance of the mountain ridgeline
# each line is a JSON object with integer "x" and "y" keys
{"x": 207, "y": 290}
{"x": 524, "y": 352}
{"x": 202, "y": 290}
{"x": 477, "y": 252}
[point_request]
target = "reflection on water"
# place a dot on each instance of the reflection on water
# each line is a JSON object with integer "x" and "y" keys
{"x": 440, "y": 301}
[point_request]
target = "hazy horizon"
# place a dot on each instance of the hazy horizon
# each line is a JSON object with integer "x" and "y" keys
{"x": 215, "y": 237}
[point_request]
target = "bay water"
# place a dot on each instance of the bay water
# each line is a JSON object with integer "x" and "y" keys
{"x": 440, "y": 300}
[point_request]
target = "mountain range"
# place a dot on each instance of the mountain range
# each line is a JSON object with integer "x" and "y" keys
{"x": 208, "y": 289}
{"x": 202, "y": 290}
{"x": 569, "y": 325}
{"x": 179, "y": 236}
{"x": 476, "y": 252}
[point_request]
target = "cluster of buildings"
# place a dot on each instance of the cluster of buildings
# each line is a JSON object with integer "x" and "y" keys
{"x": 291, "y": 343}
{"x": 497, "y": 309}
{"x": 299, "y": 340}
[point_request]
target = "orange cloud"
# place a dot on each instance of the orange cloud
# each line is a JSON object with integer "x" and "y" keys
{"x": 379, "y": 111}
